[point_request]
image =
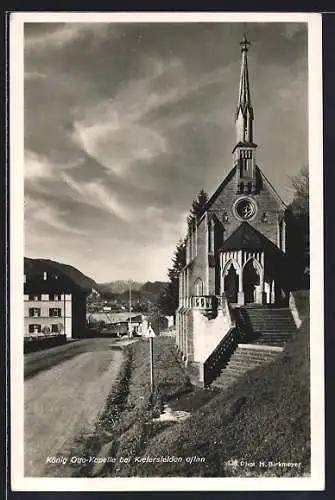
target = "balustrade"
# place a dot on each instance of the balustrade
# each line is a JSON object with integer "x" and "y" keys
{"x": 203, "y": 302}
{"x": 220, "y": 356}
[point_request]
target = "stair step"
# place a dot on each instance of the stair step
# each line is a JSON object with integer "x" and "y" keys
{"x": 267, "y": 334}
{"x": 272, "y": 342}
{"x": 253, "y": 313}
{"x": 222, "y": 384}
{"x": 254, "y": 354}
{"x": 279, "y": 321}
{"x": 274, "y": 313}
{"x": 236, "y": 372}
{"x": 225, "y": 375}
{"x": 252, "y": 359}
{"x": 273, "y": 325}
{"x": 236, "y": 363}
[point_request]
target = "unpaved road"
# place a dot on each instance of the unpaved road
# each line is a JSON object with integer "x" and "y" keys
{"x": 65, "y": 399}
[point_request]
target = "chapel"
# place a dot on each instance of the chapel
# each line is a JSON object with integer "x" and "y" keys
{"x": 236, "y": 250}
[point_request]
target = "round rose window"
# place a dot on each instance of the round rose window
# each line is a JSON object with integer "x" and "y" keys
{"x": 245, "y": 208}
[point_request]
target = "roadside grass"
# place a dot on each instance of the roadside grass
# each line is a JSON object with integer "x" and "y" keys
{"x": 263, "y": 417}
{"x": 125, "y": 425}
{"x": 170, "y": 382}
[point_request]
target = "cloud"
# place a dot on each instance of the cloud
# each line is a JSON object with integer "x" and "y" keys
{"x": 34, "y": 75}
{"x": 95, "y": 193}
{"x": 39, "y": 213}
{"x": 115, "y": 132}
{"x": 61, "y": 35}
{"x": 292, "y": 29}
{"x": 37, "y": 166}
{"x": 115, "y": 142}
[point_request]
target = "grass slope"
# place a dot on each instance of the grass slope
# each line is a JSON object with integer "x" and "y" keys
{"x": 264, "y": 417}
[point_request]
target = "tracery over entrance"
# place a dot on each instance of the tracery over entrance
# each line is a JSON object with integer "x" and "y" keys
{"x": 243, "y": 277}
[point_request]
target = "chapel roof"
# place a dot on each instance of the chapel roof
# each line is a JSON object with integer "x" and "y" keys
{"x": 246, "y": 237}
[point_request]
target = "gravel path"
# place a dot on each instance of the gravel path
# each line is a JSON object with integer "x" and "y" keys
{"x": 62, "y": 401}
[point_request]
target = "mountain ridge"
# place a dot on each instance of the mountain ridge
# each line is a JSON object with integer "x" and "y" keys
{"x": 117, "y": 288}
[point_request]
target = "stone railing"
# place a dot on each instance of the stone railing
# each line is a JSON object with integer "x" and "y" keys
{"x": 218, "y": 359}
{"x": 207, "y": 304}
{"x": 224, "y": 305}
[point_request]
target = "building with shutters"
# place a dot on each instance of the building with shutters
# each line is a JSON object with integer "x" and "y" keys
{"x": 53, "y": 303}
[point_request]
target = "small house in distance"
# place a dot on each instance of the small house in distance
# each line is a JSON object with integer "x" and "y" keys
{"x": 115, "y": 324}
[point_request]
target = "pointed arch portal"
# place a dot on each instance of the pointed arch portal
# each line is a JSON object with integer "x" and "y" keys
{"x": 251, "y": 279}
{"x": 231, "y": 283}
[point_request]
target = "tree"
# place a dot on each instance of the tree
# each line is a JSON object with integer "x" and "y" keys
{"x": 169, "y": 296}
{"x": 156, "y": 319}
{"x": 197, "y": 208}
{"x": 298, "y": 229}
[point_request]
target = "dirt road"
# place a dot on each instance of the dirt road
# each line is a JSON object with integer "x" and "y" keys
{"x": 63, "y": 400}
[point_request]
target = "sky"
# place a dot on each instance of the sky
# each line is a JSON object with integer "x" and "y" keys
{"x": 126, "y": 123}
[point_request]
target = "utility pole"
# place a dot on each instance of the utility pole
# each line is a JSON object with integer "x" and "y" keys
{"x": 130, "y": 332}
{"x": 151, "y": 365}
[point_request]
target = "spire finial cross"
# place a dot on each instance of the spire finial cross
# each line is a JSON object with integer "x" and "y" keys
{"x": 244, "y": 42}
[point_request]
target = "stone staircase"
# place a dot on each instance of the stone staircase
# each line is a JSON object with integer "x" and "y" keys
{"x": 262, "y": 333}
{"x": 265, "y": 325}
{"x": 245, "y": 358}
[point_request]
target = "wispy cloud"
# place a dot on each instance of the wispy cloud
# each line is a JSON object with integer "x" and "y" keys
{"x": 39, "y": 214}
{"x": 34, "y": 75}
{"x": 115, "y": 132}
{"x": 58, "y": 37}
{"x": 95, "y": 194}
{"x": 291, "y": 29}
{"x": 38, "y": 166}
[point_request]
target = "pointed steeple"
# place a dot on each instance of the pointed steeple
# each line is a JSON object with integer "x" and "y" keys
{"x": 245, "y": 149}
{"x": 244, "y": 112}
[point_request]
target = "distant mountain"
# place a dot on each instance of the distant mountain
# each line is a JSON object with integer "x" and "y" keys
{"x": 149, "y": 290}
{"x": 113, "y": 290}
{"x": 120, "y": 286}
{"x": 152, "y": 287}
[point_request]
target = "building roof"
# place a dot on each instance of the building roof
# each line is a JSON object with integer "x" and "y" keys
{"x": 58, "y": 279}
{"x": 246, "y": 237}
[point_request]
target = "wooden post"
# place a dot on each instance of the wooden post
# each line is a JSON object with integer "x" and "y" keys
{"x": 151, "y": 365}
{"x": 129, "y": 324}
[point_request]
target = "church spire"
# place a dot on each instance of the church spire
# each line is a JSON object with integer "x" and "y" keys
{"x": 244, "y": 112}
{"x": 245, "y": 149}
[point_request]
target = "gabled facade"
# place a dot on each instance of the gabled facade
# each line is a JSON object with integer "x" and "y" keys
{"x": 235, "y": 252}
{"x": 53, "y": 303}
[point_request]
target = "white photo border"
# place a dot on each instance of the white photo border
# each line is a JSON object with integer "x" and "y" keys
{"x": 316, "y": 481}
